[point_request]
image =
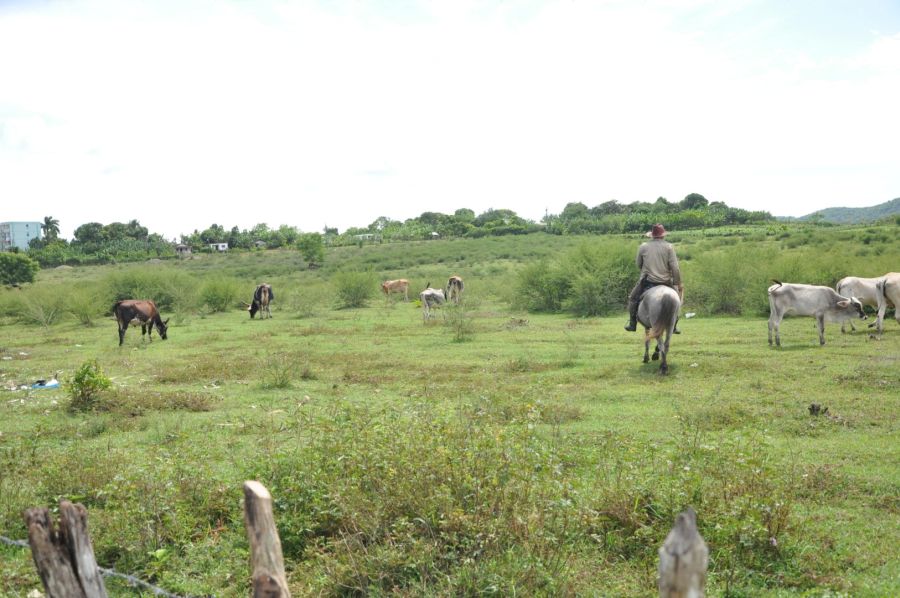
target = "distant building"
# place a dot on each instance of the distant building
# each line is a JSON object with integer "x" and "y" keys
{"x": 18, "y": 234}
{"x": 182, "y": 250}
{"x": 219, "y": 246}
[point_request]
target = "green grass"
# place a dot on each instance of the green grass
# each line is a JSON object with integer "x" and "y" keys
{"x": 488, "y": 451}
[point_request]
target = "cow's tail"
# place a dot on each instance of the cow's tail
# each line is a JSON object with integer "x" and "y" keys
{"x": 668, "y": 312}
{"x": 115, "y": 308}
{"x": 777, "y": 285}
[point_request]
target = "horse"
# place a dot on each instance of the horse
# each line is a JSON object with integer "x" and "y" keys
{"x": 262, "y": 297}
{"x": 658, "y": 313}
{"x": 141, "y": 311}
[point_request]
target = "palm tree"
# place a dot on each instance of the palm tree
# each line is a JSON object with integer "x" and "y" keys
{"x": 50, "y": 228}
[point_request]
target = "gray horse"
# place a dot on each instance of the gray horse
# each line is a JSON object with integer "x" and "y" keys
{"x": 658, "y": 313}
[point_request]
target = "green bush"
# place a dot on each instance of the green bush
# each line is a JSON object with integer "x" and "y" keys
{"x": 169, "y": 288}
{"x": 16, "y": 268}
{"x": 220, "y": 293}
{"x": 86, "y": 386}
{"x": 85, "y": 305}
{"x": 354, "y": 289}
{"x": 43, "y": 305}
{"x": 541, "y": 287}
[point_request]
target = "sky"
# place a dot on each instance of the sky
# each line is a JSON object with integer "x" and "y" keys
{"x": 185, "y": 113}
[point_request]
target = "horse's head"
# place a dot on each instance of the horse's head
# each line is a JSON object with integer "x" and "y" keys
{"x": 163, "y": 327}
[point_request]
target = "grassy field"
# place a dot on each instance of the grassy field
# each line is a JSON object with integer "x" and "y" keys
{"x": 490, "y": 451}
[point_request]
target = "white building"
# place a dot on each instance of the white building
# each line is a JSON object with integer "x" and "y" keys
{"x": 18, "y": 234}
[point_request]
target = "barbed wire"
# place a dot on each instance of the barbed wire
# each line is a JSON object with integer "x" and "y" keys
{"x": 131, "y": 579}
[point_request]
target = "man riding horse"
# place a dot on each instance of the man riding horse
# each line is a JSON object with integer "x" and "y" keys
{"x": 659, "y": 266}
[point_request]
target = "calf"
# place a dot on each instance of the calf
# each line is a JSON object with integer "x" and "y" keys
{"x": 431, "y": 299}
{"x": 262, "y": 297}
{"x": 809, "y": 300}
{"x": 869, "y": 291}
{"x": 454, "y": 289}
{"x": 141, "y": 311}
{"x": 400, "y": 285}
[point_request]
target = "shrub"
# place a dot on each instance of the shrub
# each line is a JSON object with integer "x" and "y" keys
{"x": 85, "y": 305}
{"x": 86, "y": 385}
{"x": 458, "y": 319}
{"x": 220, "y": 293}
{"x": 167, "y": 287}
{"x": 541, "y": 287}
{"x": 16, "y": 268}
{"x": 354, "y": 289}
{"x": 42, "y": 305}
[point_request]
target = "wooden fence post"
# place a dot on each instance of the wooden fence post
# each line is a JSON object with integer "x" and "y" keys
{"x": 266, "y": 559}
{"x": 64, "y": 557}
{"x": 683, "y": 559}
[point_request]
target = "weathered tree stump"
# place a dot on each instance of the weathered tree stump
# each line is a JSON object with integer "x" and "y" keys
{"x": 683, "y": 559}
{"x": 64, "y": 557}
{"x": 266, "y": 559}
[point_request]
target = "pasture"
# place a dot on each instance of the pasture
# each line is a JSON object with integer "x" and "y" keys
{"x": 488, "y": 451}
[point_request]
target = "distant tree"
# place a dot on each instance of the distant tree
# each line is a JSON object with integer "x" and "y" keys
{"x": 134, "y": 230}
{"x": 693, "y": 201}
{"x": 50, "y": 228}
{"x": 573, "y": 211}
{"x": 90, "y": 233}
{"x": 214, "y": 234}
{"x": 115, "y": 231}
{"x": 494, "y": 217}
{"x": 662, "y": 205}
{"x": 16, "y": 268}
{"x": 464, "y": 215}
{"x": 312, "y": 248}
{"x": 607, "y": 208}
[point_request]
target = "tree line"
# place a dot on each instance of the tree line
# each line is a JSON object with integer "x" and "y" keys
{"x": 96, "y": 243}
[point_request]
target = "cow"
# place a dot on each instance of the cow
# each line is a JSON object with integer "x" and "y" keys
{"x": 431, "y": 299}
{"x": 891, "y": 293}
{"x": 143, "y": 311}
{"x": 262, "y": 297}
{"x": 809, "y": 300}
{"x": 454, "y": 289}
{"x": 869, "y": 291}
{"x": 400, "y": 285}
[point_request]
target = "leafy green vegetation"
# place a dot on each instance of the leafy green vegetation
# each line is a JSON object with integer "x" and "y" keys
{"x": 537, "y": 456}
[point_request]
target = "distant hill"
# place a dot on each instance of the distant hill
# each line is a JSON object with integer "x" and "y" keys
{"x": 856, "y": 215}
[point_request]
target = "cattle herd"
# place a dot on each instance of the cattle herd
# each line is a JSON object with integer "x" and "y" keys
{"x": 658, "y": 312}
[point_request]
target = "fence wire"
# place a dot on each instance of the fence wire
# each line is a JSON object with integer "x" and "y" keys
{"x": 131, "y": 579}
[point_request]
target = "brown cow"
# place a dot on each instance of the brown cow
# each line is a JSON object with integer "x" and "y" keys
{"x": 400, "y": 285}
{"x": 454, "y": 289}
{"x": 143, "y": 311}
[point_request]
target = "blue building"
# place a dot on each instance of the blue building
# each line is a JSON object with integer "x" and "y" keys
{"x": 18, "y": 234}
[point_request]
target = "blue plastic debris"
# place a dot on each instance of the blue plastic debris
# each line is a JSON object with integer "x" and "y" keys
{"x": 52, "y": 383}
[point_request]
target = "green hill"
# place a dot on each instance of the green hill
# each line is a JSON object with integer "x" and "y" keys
{"x": 857, "y": 215}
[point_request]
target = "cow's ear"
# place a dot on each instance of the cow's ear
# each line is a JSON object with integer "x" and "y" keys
{"x": 843, "y": 304}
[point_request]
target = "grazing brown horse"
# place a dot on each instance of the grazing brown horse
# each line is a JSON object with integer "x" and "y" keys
{"x": 262, "y": 296}
{"x": 141, "y": 311}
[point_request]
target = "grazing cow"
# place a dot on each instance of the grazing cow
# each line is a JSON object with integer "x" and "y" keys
{"x": 809, "y": 300}
{"x": 262, "y": 297}
{"x": 400, "y": 285}
{"x": 658, "y": 313}
{"x": 891, "y": 294}
{"x": 141, "y": 311}
{"x": 454, "y": 289}
{"x": 431, "y": 299}
{"x": 869, "y": 291}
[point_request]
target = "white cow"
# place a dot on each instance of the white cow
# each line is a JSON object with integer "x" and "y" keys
{"x": 431, "y": 299}
{"x": 869, "y": 291}
{"x": 891, "y": 295}
{"x": 809, "y": 300}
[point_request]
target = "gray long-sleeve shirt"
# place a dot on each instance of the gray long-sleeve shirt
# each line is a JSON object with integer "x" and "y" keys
{"x": 658, "y": 262}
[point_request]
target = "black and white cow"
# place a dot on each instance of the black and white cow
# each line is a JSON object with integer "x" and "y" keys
{"x": 809, "y": 300}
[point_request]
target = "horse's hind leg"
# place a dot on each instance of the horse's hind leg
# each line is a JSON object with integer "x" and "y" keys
{"x": 646, "y": 350}
{"x": 656, "y": 351}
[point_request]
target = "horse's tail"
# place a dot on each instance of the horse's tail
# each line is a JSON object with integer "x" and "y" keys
{"x": 668, "y": 312}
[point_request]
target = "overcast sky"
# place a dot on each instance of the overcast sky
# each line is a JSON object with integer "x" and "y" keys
{"x": 186, "y": 113}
